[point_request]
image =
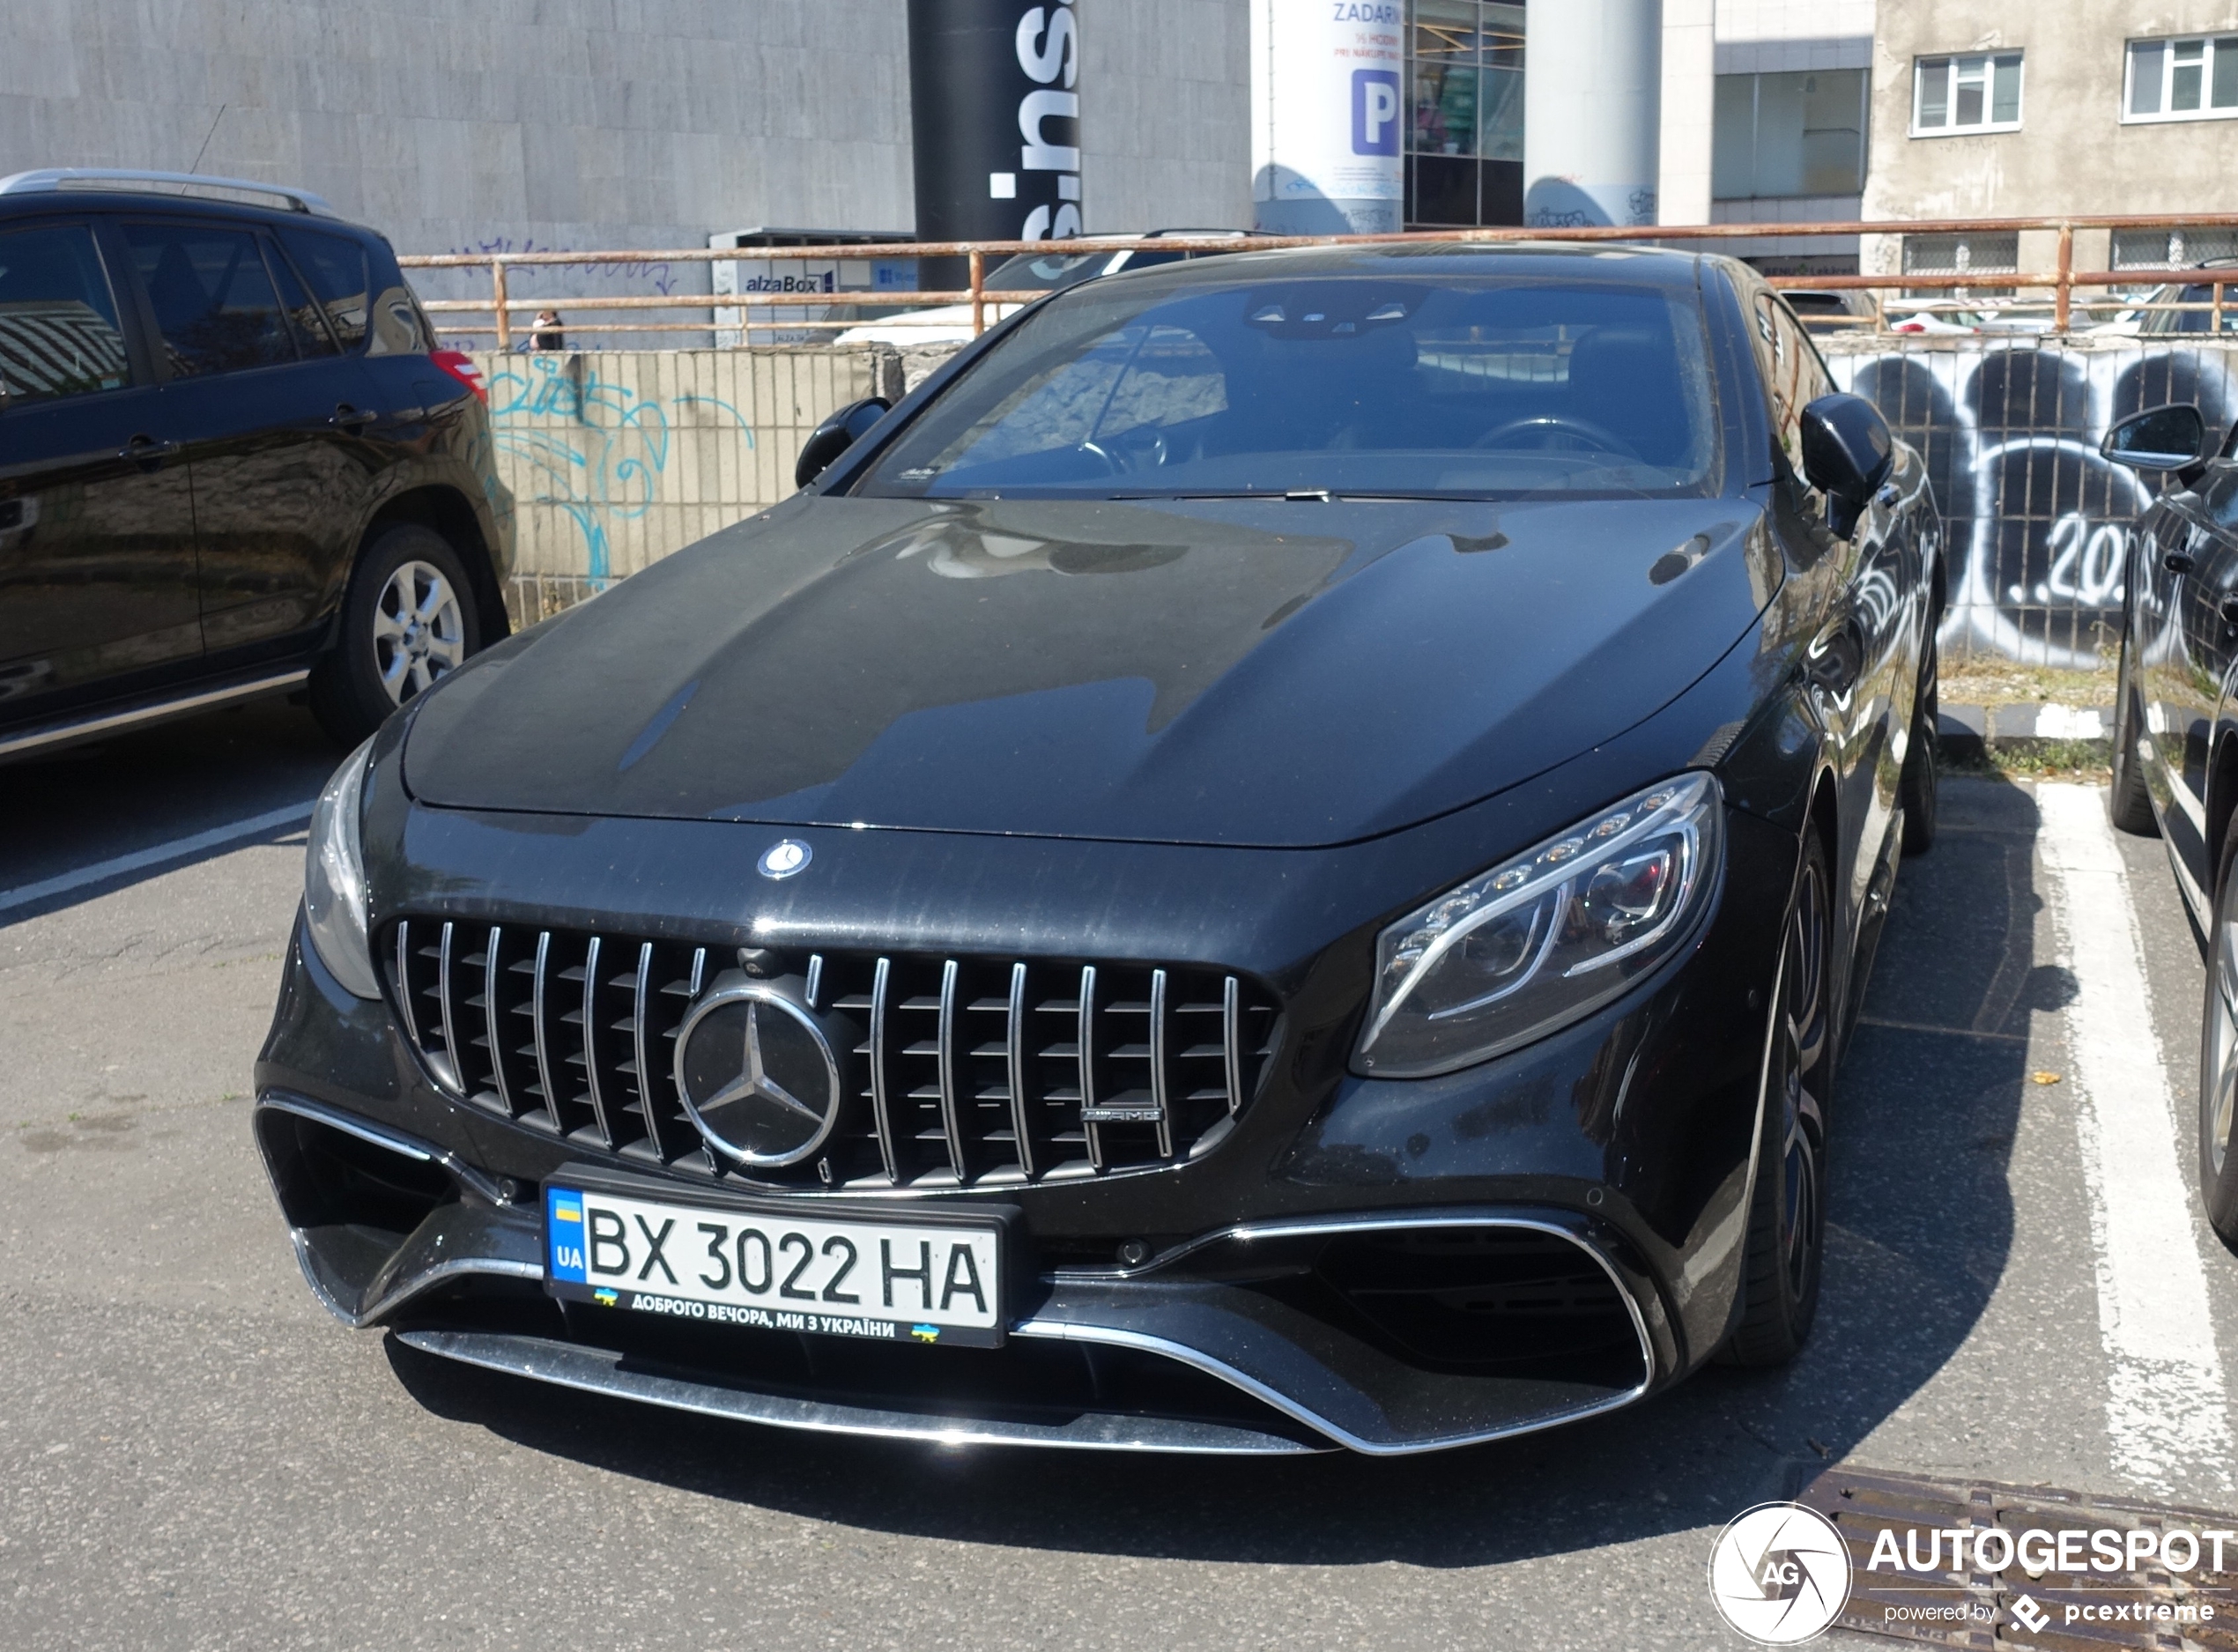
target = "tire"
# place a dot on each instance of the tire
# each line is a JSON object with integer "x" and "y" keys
{"x": 1787, "y": 1233}
{"x": 2219, "y": 1056}
{"x": 1916, "y": 787}
{"x": 2128, "y": 803}
{"x": 383, "y": 655}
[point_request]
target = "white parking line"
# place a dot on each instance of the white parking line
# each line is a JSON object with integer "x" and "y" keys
{"x": 2167, "y": 1411}
{"x": 178, "y": 849}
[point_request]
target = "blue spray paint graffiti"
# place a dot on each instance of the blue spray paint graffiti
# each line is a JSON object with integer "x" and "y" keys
{"x": 593, "y": 448}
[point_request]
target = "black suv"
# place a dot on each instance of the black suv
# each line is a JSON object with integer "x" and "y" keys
{"x": 234, "y": 461}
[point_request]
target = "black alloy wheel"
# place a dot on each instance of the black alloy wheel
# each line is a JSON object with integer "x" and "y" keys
{"x": 1916, "y": 787}
{"x": 1787, "y": 1227}
{"x": 408, "y": 618}
{"x": 2218, "y": 1054}
{"x": 2128, "y": 803}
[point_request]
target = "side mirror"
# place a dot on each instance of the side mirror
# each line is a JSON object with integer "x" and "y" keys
{"x": 835, "y": 435}
{"x": 1846, "y": 453}
{"x": 2172, "y": 438}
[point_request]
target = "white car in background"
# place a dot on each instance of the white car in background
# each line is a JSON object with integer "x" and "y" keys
{"x": 1038, "y": 272}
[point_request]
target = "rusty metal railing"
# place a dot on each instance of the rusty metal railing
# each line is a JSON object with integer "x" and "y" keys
{"x": 2059, "y": 286}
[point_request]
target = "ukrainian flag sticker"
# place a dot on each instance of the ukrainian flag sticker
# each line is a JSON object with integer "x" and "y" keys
{"x": 563, "y": 1230}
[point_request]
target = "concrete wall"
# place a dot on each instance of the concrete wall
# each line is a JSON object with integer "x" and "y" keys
{"x": 564, "y": 124}
{"x": 2072, "y": 153}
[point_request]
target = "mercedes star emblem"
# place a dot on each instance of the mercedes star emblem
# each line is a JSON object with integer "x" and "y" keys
{"x": 784, "y": 857}
{"x": 757, "y": 1075}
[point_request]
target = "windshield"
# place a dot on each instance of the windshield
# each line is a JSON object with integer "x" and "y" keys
{"x": 1044, "y": 272}
{"x": 1449, "y": 387}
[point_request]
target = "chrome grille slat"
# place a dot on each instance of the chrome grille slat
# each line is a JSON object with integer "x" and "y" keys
{"x": 1133, "y": 1076}
{"x": 641, "y": 1020}
{"x": 490, "y": 1013}
{"x": 543, "y": 1044}
{"x": 1232, "y": 1042}
{"x": 950, "y": 1121}
{"x": 592, "y": 1086}
{"x": 881, "y": 1107}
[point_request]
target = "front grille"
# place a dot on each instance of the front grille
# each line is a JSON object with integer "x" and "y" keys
{"x": 965, "y": 1071}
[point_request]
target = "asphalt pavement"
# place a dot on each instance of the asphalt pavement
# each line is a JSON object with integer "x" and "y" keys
{"x": 195, "y": 1455}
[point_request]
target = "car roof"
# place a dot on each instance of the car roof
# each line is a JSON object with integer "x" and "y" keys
{"x": 1583, "y": 262}
{"x": 69, "y": 196}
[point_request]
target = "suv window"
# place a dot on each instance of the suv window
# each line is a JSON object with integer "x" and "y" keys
{"x": 214, "y": 298}
{"x": 58, "y": 328}
{"x": 335, "y": 266}
{"x": 308, "y": 316}
{"x": 1793, "y": 372}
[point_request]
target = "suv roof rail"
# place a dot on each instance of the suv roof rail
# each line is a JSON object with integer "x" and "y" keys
{"x": 58, "y": 178}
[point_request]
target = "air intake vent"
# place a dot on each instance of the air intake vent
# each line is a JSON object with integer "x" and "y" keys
{"x": 960, "y": 1072}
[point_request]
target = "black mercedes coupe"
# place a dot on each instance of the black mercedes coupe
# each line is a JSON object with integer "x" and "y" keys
{"x": 1279, "y": 858}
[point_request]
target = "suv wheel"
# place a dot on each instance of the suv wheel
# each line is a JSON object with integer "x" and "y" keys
{"x": 408, "y": 618}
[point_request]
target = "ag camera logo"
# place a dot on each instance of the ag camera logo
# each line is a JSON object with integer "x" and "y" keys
{"x": 1779, "y": 1574}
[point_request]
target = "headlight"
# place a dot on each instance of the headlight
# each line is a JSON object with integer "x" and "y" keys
{"x": 334, "y": 880}
{"x": 1542, "y": 939}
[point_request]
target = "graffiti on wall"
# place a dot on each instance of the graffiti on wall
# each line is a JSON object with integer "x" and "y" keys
{"x": 2037, "y": 524}
{"x": 592, "y": 447}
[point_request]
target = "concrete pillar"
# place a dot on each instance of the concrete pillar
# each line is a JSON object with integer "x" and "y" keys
{"x": 1592, "y": 105}
{"x": 1328, "y": 115}
{"x": 1689, "y": 105}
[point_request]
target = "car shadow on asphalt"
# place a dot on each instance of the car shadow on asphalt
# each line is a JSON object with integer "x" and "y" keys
{"x": 1927, "y": 1103}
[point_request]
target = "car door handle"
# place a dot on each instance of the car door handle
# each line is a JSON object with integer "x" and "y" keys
{"x": 2179, "y": 562}
{"x": 147, "y": 452}
{"x": 353, "y": 420}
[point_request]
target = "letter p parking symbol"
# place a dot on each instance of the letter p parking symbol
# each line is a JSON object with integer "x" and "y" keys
{"x": 1375, "y": 108}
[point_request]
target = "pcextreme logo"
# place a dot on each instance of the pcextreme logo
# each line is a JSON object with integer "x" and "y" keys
{"x": 1779, "y": 1574}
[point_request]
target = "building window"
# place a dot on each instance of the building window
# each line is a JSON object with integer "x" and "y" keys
{"x": 1794, "y": 134}
{"x": 1978, "y": 93}
{"x": 1994, "y": 253}
{"x": 1464, "y": 140}
{"x": 2182, "y": 80}
{"x": 2172, "y": 249}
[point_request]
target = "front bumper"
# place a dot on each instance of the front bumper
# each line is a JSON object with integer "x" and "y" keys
{"x": 1569, "y": 1218}
{"x": 1192, "y": 1352}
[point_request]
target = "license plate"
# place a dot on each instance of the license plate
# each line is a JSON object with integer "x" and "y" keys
{"x": 833, "y": 1275}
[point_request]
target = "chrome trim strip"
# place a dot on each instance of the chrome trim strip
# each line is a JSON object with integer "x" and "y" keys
{"x": 1087, "y": 1047}
{"x": 591, "y": 1044}
{"x": 1157, "y": 1096}
{"x": 94, "y": 723}
{"x": 543, "y": 1044}
{"x": 381, "y": 1136}
{"x": 597, "y": 1371}
{"x": 699, "y": 974}
{"x": 952, "y": 1121}
{"x": 489, "y": 1021}
{"x": 643, "y": 1017}
{"x": 403, "y": 982}
{"x": 448, "y": 1016}
{"x": 815, "y": 977}
{"x": 1017, "y": 1056}
{"x": 1232, "y": 1042}
{"x": 881, "y": 1118}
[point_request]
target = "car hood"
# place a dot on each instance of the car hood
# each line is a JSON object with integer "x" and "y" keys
{"x": 1267, "y": 672}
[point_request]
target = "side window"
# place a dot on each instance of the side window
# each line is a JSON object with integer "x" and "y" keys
{"x": 58, "y": 327}
{"x": 305, "y": 316}
{"x": 1779, "y": 360}
{"x": 1811, "y": 379}
{"x": 214, "y": 298}
{"x": 335, "y": 266}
